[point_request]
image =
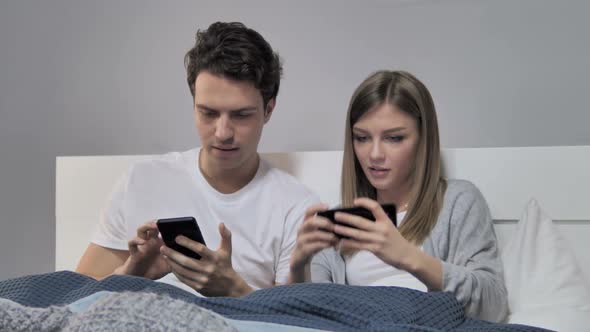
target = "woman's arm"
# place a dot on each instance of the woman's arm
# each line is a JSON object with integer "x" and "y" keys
{"x": 472, "y": 269}
{"x": 314, "y": 235}
{"x": 427, "y": 269}
{"x": 469, "y": 265}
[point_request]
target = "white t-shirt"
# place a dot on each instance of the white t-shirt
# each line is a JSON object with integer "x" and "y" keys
{"x": 363, "y": 268}
{"x": 263, "y": 217}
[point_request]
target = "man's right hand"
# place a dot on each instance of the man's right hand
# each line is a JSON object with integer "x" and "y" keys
{"x": 145, "y": 259}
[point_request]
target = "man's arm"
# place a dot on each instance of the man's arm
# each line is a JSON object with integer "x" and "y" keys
{"x": 100, "y": 262}
{"x": 143, "y": 259}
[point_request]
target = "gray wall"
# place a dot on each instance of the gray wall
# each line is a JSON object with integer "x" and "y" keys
{"x": 106, "y": 77}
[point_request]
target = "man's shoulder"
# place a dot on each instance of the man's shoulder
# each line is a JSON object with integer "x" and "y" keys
{"x": 171, "y": 162}
{"x": 285, "y": 184}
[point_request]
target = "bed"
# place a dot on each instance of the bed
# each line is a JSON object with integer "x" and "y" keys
{"x": 545, "y": 253}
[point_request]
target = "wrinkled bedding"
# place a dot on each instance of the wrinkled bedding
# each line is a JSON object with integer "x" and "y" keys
{"x": 319, "y": 306}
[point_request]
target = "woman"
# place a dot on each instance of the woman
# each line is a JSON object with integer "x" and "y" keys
{"x": 444, "y": 240}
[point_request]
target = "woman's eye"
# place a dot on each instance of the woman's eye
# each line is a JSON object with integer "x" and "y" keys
{"x": 395, "y": 139}
{"x": 359, "y": 138}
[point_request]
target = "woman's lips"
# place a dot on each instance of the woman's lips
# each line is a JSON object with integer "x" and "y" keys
{"x": 378, "y": 172}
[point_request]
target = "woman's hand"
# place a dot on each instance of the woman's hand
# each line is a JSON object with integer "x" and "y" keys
{"x": 384, "y": 240}
{"x": 380, "y": 237}
{"x": 315, "y": 234}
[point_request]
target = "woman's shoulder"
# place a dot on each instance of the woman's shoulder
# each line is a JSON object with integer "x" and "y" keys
{"x": 459, "y": 191}
{"x": 461, "y": 186}
{"x": 463, "y": 197}
{"x": 464, "y": 208}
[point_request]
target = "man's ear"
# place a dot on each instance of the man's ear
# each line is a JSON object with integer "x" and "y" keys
{"x": 270, "y": 106}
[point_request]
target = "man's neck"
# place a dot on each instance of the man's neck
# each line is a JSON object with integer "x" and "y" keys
{"x": 228, "y": 181}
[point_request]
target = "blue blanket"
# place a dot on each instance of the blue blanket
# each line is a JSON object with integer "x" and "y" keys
{"x": 321, "y": 306}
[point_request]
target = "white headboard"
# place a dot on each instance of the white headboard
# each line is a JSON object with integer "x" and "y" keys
{"x": 558, "y": 177}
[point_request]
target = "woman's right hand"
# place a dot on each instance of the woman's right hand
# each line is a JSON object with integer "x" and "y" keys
{"x": 145, "y": 259}
{"x": 315, "y": 234}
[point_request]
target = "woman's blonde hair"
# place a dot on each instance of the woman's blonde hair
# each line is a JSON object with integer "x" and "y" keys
{"x": 408, "y": 94}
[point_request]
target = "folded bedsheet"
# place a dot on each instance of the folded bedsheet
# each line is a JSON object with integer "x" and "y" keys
{"x": 320, "y": 306}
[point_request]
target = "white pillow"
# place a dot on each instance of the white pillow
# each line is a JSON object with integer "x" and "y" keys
{"x": 545, "y": 284}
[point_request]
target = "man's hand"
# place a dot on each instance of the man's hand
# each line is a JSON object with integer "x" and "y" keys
{"x": 145, "y": 259}
{"x": 213, "y": 274}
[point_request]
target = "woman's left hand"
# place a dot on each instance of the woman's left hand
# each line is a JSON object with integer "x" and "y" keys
{"x": 381, "y": 237}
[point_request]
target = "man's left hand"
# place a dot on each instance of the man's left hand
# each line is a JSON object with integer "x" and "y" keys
{"x": 213, "y": 274}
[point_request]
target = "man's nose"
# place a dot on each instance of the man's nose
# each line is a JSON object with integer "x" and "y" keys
{"x": 224, "y": 129}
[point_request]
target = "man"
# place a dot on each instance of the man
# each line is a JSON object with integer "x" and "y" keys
{"x": 248, "y": 212}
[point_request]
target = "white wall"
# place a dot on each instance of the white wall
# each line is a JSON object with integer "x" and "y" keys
{"x": 107, "y": 77}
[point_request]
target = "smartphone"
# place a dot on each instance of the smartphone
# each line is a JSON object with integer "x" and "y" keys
{"x": 389, "y": 209}
{"x": 172, "y": 227}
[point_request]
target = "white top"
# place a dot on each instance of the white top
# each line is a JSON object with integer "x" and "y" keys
{"x": 365, "y": 269}
{"x": 263, "y": 217}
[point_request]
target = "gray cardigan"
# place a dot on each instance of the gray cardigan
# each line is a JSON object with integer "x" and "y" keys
{"x": 464, "y": 240}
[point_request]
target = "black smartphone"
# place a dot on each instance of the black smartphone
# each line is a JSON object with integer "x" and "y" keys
{"x": 172, "y": 227}
{"x": 389, "y": 209}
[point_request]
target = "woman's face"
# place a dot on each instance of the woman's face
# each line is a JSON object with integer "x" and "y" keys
{"x": 385, "y": 141}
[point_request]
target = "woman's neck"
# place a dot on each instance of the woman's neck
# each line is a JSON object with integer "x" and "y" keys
{"x": 398, "y": 196}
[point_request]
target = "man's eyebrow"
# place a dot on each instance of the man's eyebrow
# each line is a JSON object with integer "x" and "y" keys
{"x": 211, "y": 109}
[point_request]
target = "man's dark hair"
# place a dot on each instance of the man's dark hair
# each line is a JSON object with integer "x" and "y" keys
{"x": 233, "y": 51}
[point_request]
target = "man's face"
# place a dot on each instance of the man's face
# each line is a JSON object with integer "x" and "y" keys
{"x": 229, "y": 116}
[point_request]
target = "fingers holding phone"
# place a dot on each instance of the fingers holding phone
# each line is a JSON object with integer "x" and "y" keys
{"x": 192, "y": 271}
{"x": 315, "y": 234}
{"x": 212, "y": 274}
{"x": 377, "y": 234}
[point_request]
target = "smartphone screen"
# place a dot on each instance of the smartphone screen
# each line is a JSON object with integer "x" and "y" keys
{"x": 173, "y": 227}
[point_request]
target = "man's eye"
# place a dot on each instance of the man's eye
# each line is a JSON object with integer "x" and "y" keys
{"x": 242, "y": 115}
{"x": 208, "y": 114}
